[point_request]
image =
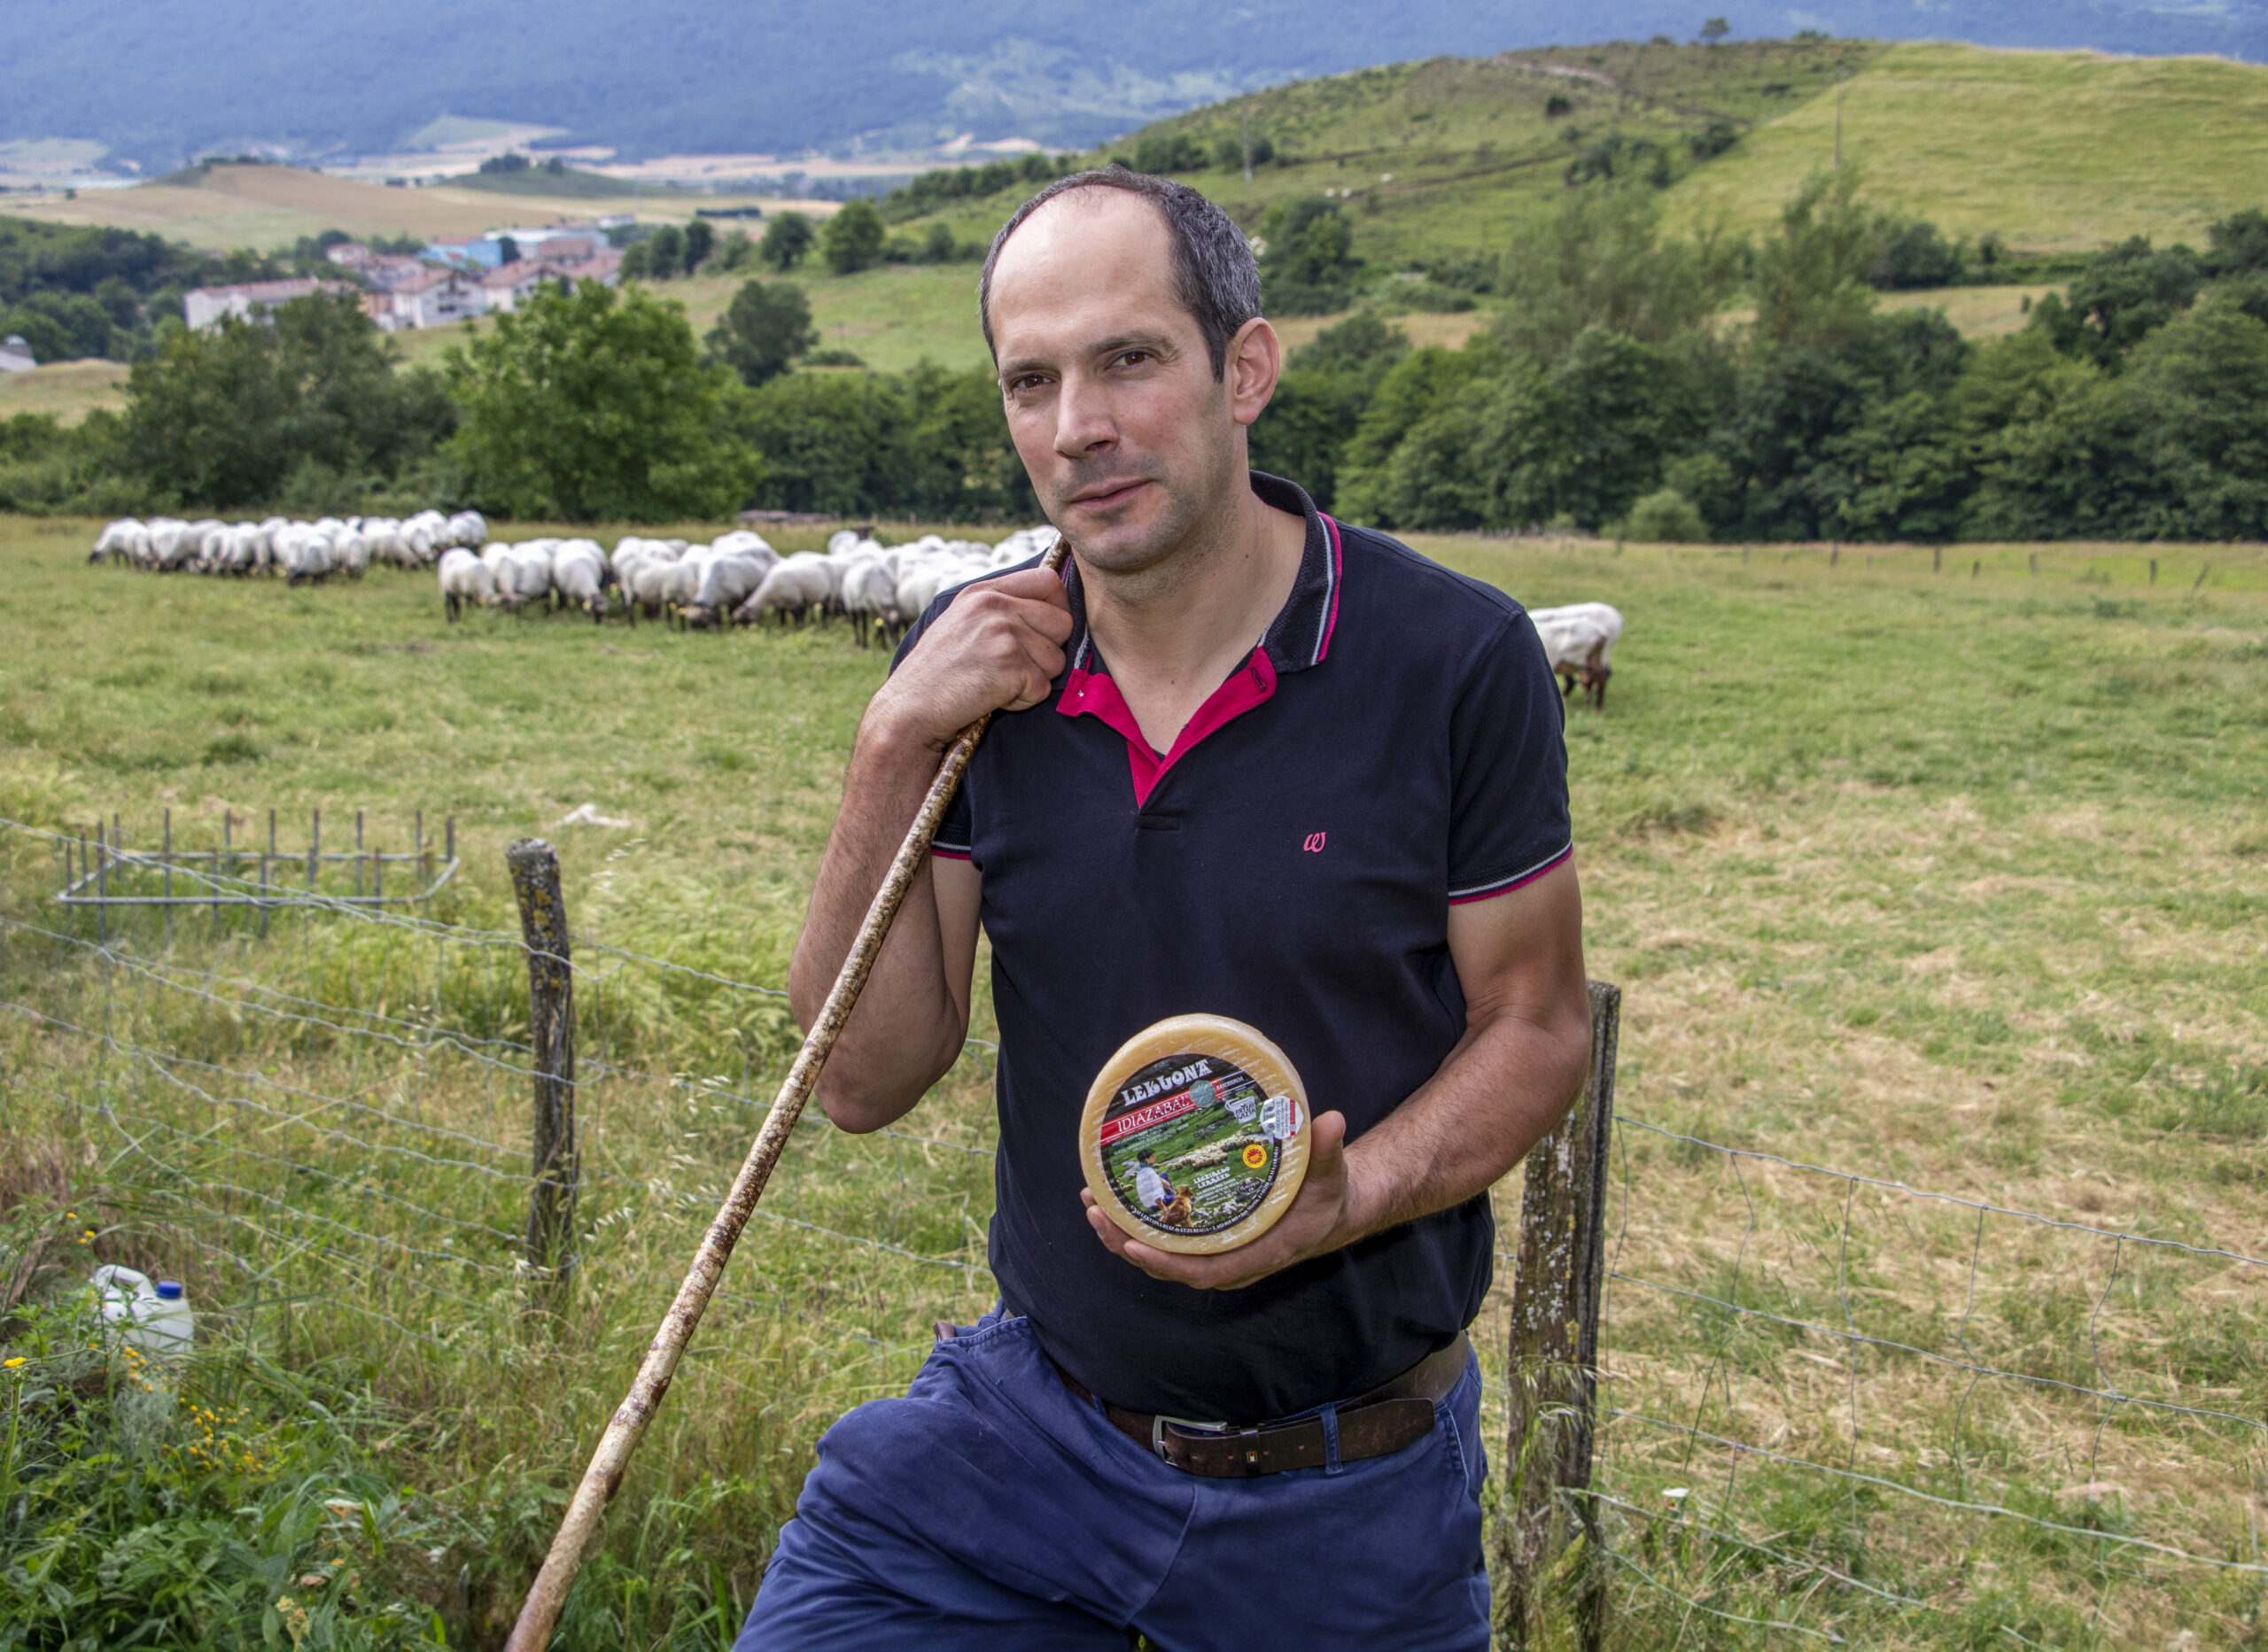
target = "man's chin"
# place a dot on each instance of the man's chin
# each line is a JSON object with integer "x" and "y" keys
{"x": 1125, "y": 538}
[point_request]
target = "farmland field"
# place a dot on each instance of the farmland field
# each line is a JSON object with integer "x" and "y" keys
{"x": 2052, "y": 151}
{"x": 268, "y": 207}
{"x": 1953, "y": 875}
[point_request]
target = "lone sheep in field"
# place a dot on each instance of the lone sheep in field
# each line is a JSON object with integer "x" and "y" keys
{"x": 1579, "y": 641}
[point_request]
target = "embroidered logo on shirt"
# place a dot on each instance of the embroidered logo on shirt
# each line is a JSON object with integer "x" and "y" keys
{"x": 1314, "y": 845}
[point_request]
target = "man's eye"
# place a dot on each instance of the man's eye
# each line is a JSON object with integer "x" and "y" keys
{"x": 1031, "y": 381}
{"x": 1133, "y": 358}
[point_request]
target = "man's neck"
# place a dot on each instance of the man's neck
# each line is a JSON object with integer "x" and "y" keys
{"x": 1173, "y": 632}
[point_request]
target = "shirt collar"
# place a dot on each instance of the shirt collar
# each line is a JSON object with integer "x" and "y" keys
{"x": 1300, "y": 635}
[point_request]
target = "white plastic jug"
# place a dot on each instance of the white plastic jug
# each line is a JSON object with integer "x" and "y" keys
{"x": 152, "y": 1314}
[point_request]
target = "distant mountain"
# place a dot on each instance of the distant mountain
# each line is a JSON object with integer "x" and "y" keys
{"x": 159, "y": 83}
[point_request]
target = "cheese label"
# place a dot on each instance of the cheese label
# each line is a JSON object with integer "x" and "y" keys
{"x": 1192, "y": 1143}
{"x": 1194, "y": 1137}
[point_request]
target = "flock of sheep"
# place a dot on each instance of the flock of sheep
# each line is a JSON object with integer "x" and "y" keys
{"x": 738, "y": 578}
{"x": 301, "y": 552}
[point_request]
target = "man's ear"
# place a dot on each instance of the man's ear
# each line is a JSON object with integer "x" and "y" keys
{"x": 1255, "y": 361}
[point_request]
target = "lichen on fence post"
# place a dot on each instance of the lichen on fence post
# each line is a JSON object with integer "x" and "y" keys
{"x": 1551, "y": 1365}
{"x": 550, "y": 1257}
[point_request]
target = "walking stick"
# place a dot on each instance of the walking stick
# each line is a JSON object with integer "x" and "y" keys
{"x": 548, "y": 1593}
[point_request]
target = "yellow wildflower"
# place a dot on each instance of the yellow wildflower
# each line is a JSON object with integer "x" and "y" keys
{"x": 12, "y": 1364}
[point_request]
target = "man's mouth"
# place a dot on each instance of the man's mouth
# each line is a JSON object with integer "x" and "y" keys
{"x": 1109, "y": 496}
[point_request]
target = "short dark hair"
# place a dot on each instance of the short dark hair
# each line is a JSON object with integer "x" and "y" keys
{"x": 1214, "y": 275}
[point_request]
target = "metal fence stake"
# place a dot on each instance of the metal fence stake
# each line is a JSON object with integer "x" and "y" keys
{"x": 551, "y": 1035}
{"x": 1551, "y": 1374}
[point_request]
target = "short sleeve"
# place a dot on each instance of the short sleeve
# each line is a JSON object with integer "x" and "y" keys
{"x": 1509, "y": 817}
{"x": 956, "y": 832}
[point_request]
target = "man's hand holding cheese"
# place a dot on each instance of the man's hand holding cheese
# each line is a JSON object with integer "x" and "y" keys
{"x": 1249, "y": 762}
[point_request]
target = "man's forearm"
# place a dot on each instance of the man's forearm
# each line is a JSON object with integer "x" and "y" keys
{"x": 908, "y": 1028}
{"x": 1507, "y": 1082}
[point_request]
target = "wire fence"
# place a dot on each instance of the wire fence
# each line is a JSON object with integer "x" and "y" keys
{"x": 1828, "y": 1400}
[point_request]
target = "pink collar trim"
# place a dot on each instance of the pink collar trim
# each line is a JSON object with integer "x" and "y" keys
{"x": 1093, "y": 694}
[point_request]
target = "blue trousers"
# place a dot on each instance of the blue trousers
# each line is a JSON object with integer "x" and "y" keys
{"x": 991, "y": 1511}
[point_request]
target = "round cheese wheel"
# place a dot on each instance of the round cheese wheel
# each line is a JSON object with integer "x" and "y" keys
{"x": 1195, "y": 1134}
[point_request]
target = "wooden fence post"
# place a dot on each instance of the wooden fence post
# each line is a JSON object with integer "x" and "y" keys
{"x": 551, "y": 1035}
{"x": 1551, "y": 1366}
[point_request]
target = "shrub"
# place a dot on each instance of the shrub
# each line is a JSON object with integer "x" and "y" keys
{"x": 853, "y": 237}
{"x": 762, "y": 330}
{"x": 1665, "y": 517}
{"x": 1309, "y": 266}
{"x": 786, "y": 238}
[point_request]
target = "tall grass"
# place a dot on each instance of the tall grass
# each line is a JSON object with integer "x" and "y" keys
{"x": 1951, "y": 880}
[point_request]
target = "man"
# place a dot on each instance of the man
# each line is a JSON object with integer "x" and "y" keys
{"x": 1250, "y": 763}
{"x": 1151, "y": 1188}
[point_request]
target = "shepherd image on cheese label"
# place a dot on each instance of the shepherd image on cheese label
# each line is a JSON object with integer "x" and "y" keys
{"x": 1191, "y": 1143}
{"x": 1194, "y": 1135}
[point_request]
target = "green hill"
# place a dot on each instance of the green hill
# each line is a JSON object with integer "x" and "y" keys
{"x": 2054, "y": 152}
{"x": 1442, "y": 158}
{"x": 569, "y": 184}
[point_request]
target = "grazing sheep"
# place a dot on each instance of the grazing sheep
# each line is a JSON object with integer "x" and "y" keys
{"x": 467, "y": 528}
{"x": 578, "y": 573}
{"x": 796, "y": 586}
{"x": 728, "y": 579}
{"x": 870, "y": 597}
{"x": 647, "y": 583}
{"x": 116, "y": 541}
{"x": 464, "y": 578}
{"x": 524, "y": 574}
{"x": 1579, "y": 641}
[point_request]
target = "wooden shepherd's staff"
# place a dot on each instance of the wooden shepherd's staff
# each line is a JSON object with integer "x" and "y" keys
{"x": 548, "y": 1593}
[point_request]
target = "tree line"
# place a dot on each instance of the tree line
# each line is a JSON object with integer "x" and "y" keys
{"x": 72, "y": 291}
{"x": 1635, "y": 381}
{"x": 590, "y": 405}
{"x": 1616, "y": 393}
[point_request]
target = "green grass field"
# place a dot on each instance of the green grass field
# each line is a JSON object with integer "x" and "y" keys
{"x": 2052, "y": 149}
{"x": 890, "y": 317}
{"x": 1956, "y": 878}
{"x": 69, "y": 389}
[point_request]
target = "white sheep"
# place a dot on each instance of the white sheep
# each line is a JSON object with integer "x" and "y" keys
{"x": 797, "y": 587}
{"x": 1579, "y": 641}
{"x": 464, "y": 578}
{"x": 578, "y": 573}
{"x": 116, "y": 541}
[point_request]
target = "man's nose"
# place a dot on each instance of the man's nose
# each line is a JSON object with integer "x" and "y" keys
{"x": 1082, "y": 421}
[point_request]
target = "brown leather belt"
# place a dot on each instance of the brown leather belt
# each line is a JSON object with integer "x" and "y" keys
{"x": 1396, "y": 1414}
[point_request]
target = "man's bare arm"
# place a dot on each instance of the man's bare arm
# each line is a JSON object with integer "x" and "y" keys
{"x": 1519, "y": 1065}
{"x": 998, "y": 645}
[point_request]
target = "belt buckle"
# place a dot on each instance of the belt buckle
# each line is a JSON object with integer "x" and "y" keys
{"x": 1158, "y": 1432}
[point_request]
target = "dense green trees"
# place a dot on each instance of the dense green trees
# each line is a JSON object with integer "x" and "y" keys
{"x": 1307, "y": 265}
{"x": 787, "y": 239}
{"x": 594, "y": 405}
{"x": 1614, "y": 395}
{"x": 762, "y": 330}
{"x": 307, "y": 410}
{"x": 927, "y": 443}
{"x": 102, "y": 292}
{"x": 853, "y": 238}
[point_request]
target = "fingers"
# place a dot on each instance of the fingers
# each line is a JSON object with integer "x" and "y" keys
{"x": 999, "y": 645}
{"x": 1310, "y": 1227}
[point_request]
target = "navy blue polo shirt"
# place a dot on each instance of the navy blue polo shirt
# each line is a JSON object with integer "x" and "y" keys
{"x": 1392, "y": 746}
